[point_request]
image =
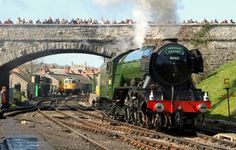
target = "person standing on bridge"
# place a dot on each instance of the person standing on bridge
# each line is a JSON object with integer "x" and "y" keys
{"x": 3, "y": 101}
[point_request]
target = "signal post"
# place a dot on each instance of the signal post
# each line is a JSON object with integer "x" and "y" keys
{"x": 227, "y": 87}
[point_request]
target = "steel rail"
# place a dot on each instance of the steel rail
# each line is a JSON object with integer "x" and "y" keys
{"x": 97, "y": 145}
{"x": 137, "y": 130}
{"x": 125, "y": 138}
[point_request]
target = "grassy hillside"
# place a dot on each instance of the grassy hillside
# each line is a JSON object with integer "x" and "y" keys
{"x": 217, "y": 93}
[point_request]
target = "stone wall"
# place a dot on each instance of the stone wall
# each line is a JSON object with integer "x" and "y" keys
{"x": 216, "y": 42}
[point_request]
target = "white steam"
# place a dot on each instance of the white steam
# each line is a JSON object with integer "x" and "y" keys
{"x": 145, "y": 11}
{"x": 163, "y": 11}
{"x": 141, "y": 14}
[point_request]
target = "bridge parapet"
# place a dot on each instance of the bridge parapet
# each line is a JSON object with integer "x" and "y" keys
{"x": 27, "y": 42}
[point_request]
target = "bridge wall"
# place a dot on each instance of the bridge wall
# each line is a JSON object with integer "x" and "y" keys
{"x": 216, "y": 42}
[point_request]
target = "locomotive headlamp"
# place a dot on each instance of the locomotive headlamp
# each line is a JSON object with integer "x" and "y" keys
{"x": 202, "y": 108}
{"x": 159, "y": 107}
{"x": 179, "y": 107}
{"x": 109, "y": 82}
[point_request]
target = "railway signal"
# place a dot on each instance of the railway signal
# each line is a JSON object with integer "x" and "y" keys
{"x": 227, "y": 87}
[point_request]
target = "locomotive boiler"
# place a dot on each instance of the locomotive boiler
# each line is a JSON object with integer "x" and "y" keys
{"x": 152, "y": 86}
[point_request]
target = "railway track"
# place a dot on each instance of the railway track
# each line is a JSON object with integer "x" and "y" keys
{"x": 222, "y": 143}
{"x": 200, "y": 142}
{"x": 136, "y": 136}
{"x": 80, "y": 134}
{"x": 136, "y": 141}
{"x": 30, "y": 107}
{"x": 19, "y": 110}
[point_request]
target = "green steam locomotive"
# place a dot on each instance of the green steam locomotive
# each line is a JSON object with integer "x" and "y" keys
{"x": 152, "y": 86}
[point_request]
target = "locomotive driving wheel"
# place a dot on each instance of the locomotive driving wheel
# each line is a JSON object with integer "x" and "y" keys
{"x": 142, "y": 113}
{"x": 130, "y": 115}
{"x": 190, "y": 124}
{"x": 193, "y": 125}
{"x": 179, "y": 119}
{"x": 141, "y": 119}
{"x": 131, "y": 112}
{"x": 127, "y": 114}
{"x": 160, "y": 122}
{"x": 117, "y": 113}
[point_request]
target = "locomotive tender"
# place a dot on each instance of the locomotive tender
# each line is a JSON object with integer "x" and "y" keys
{"x": 152, "y": 86}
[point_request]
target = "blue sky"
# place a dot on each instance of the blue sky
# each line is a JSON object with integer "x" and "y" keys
{"x": 41, "y": 9}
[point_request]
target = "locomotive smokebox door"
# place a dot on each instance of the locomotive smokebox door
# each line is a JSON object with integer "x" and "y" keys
{"x": 169, "y": 65}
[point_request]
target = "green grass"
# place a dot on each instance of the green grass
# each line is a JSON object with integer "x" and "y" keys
{"x": 214, "y": 85}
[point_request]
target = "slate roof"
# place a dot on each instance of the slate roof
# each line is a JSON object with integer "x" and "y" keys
{"x": 63, "y": 76}
{"x": 23, "y": 76}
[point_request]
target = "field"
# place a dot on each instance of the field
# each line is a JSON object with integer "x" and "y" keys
{"x": 214, "y": 84}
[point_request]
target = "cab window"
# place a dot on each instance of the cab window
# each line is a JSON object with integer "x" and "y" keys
{"x": 147, "y": 53}
{"x": 135, "y": 55}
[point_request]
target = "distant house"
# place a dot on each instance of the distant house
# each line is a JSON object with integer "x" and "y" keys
{"x": 55, "y": 78}
{"x": 58, "y": 75}
{"x": 19, "y": 77}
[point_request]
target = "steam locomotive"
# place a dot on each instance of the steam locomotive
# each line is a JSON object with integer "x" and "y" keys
{"x": 152, "y": 86}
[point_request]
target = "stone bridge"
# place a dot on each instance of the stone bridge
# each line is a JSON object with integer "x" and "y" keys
{"x": 22, "y": 43}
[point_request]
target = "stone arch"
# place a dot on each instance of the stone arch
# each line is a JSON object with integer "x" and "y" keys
{"x": 28, "y": 52}
{"x": 31, "y": 52}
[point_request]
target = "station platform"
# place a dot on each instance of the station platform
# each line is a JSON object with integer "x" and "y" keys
{"x": 226, "y": 136}
{"x": 16, "y": 136}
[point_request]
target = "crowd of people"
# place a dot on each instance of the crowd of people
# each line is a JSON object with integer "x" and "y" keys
{"x": 205, "y": 21}
{"x": 65, "y": 21}
{"x": 91, "y": 21}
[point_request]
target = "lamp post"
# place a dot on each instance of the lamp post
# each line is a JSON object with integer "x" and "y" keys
{"x": 227, "y": 87}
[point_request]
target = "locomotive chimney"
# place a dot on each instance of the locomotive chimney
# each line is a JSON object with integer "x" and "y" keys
{"x": 173, "y": 40}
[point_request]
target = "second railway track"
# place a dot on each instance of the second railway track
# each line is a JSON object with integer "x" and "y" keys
{"x": 200, "y": 141}
{"x": 82, "y": 120}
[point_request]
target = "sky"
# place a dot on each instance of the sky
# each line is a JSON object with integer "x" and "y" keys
{"x": 42, "y": 9}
